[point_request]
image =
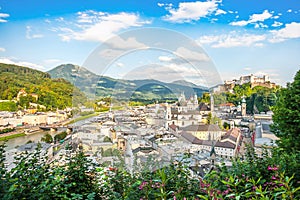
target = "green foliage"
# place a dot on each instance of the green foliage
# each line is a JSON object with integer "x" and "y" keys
{"x": 205, "y": 97}
{"x": 107, "y": 139}
{"x": 287, "y": 116}
{"x": 79, "y": 178}
{"x": 8, "y": 106}
{"x": 6, "y": 130}
{"x": 110, "y": 152}
{"x": 12, "y": 136}
{"x": 60, "y": 136}
{"x": 85, "y": 113}
{"x": 226, "y": 125}
{"x": 52, "y": 93}
{"x": 214, "y": 120}
{"x": 258, "y": 99}
{"x": 47, "y": 138}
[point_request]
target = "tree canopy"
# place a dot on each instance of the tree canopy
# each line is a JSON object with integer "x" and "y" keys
{"x": 287, "y": 116}
{"x": 52, "y": 93}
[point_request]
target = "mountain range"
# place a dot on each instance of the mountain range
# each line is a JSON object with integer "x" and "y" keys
{"x": 94, "y": 85}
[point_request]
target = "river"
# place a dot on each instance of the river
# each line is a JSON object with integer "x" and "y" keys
{"x": 37, "y": 136}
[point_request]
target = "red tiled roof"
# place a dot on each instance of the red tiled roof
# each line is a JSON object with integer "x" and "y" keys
{"x": 173, "y": 127}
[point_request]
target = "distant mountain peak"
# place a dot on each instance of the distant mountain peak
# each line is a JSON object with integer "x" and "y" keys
{"x": 100, "y": 85}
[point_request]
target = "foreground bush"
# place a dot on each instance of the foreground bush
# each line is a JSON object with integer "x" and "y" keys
{"x": 78, "y": 178}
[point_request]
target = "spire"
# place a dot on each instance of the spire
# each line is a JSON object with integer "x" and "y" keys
{"x": 213, "y": 154}
{"x": 212, "y": 104}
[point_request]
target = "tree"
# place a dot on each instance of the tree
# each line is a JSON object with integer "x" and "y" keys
{"x": 47, "y": 138}
{"x": 287, "y": 116}
{"x": 107, "y": 139}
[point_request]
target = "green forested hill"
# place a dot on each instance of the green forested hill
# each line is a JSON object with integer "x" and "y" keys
{"x": 52, "y": 93}
{"x": 258, "y": 99}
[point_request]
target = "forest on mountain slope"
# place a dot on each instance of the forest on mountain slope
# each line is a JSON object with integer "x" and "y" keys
{"x": 52, "y": 93}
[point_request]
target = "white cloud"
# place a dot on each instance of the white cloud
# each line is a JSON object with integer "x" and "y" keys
{"x": 3, "y": 17}
{"x": 290, "y": 31}
{"x": 29, "y": 34}
{"x": 191, "y": 11}
{"x": 289, "y": 10}
{"x": 220, "y": 12}
{"x": 233, "y": 39}
{"x": 2, "y": 49}
{"x": 276, "y": 17}
{"x": 247, "y": 68}
{"x": 99, "y": 26}
{"x": 21, "y": 63}
{"x": 165, "y": 58}
{"x": 239, "y": 23}
{"x": 253, "y": 19}
{"x": 276, "y": 24}
{"x": 160, "y": 4}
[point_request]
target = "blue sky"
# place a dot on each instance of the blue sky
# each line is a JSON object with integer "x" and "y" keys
{"x": 239, "y": 36}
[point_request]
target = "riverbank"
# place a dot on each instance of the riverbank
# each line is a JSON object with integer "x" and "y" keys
{"x": 13, "y": 135}
{"x": 72, "y": 121}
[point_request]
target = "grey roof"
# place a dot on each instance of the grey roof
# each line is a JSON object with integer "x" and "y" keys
{"x": 225, "y": 145}
{"x": 202, "y": 127}
{"x": 191, "y": 138}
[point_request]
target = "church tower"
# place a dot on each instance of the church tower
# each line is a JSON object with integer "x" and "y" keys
{"x": 212, "y": 104}
{"x": 244, "y": 107}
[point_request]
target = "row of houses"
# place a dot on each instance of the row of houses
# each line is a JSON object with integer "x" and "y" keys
{"x": 226, "y": 146}
{"x": 15, "y": 120}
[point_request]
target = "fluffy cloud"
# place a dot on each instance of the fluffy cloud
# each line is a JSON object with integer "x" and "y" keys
{"x": 290, "y": 31}
{"x": 99, "y": 26}
{"x": 21, "y": 63}
{"x": 220, "y": 11}
{"x": 276, "y": 24}
{"x": 165, "y": 58}
{"x": 191, "y": 11}
{"x": 3, "y": 17}
{"x": 253, "y": 19}
{"x": 232, "y": 39}
{"x": 2, "y": 49}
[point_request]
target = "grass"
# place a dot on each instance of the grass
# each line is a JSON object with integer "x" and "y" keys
{"x": 12, "y": 136}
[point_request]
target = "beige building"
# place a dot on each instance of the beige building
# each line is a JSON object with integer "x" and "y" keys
{"x": 204, "y": 131}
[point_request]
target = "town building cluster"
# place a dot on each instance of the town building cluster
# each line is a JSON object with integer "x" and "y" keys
{"x": 158, "y": 134}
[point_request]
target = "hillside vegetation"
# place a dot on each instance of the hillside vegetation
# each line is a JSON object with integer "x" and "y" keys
{"x": 258, "y": 99}
{"x": 52, "y": 93}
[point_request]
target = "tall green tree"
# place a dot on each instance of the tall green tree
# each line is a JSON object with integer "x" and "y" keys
{"x": 287, "y": 116}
